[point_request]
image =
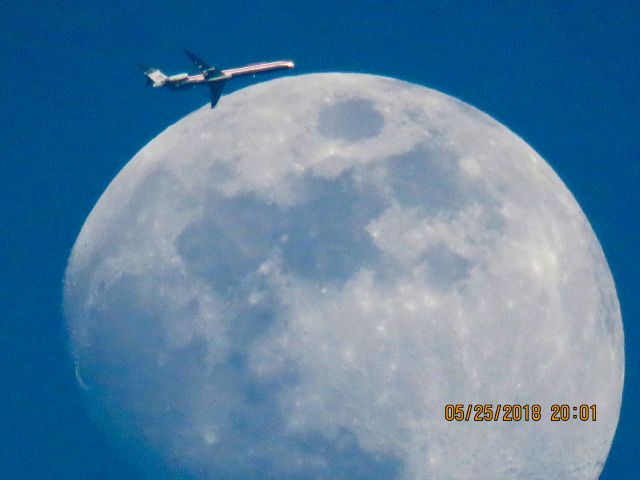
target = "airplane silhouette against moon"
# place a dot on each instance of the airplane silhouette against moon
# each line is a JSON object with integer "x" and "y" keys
{"x": 210, "y": 76}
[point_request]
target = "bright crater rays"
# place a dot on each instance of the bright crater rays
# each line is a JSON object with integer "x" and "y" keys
{"x": 294, "y": 284}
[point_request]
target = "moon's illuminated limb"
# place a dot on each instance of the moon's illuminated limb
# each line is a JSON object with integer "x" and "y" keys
{"x": 296, "y": 283}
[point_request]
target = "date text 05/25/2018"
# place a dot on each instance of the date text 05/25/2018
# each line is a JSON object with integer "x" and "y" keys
{"x": 514, "y": 412}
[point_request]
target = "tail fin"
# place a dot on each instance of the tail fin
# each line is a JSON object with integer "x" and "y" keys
{"x": 155, "y": 77}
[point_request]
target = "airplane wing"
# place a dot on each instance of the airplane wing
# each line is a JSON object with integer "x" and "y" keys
{"x": 200, "y": 64}
{"x": 215, "y": 88}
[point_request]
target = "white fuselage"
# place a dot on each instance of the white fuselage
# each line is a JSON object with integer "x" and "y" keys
{"x": 184, "y": 79}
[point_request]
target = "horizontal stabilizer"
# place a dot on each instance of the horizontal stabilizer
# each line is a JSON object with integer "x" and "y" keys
{"x": 156, "y": 77}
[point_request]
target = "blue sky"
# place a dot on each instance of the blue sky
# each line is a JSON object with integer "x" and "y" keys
{"x": 75, "y": 110}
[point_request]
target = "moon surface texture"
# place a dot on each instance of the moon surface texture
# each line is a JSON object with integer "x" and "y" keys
{"x": 295, "y": 284}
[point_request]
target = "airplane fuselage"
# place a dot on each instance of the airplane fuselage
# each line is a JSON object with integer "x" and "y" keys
{"x": 210, "y": 76}
{"x": 184, "y": 80}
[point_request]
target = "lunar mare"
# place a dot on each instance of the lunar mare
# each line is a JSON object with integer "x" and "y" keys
{"x": 295, "y": 284}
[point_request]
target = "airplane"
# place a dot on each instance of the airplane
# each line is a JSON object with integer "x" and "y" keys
{"x": 210, "y": 76}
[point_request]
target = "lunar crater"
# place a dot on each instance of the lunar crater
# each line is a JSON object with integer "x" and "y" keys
{"x": 352, "y": 120}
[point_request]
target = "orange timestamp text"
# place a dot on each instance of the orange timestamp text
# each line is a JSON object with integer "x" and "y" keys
{"x": 514, "y": 412}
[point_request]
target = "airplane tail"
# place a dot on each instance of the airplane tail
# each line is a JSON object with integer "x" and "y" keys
{"x": 155, "y": 77}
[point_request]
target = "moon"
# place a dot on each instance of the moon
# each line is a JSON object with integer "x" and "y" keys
{"x": 295, "y": 284}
